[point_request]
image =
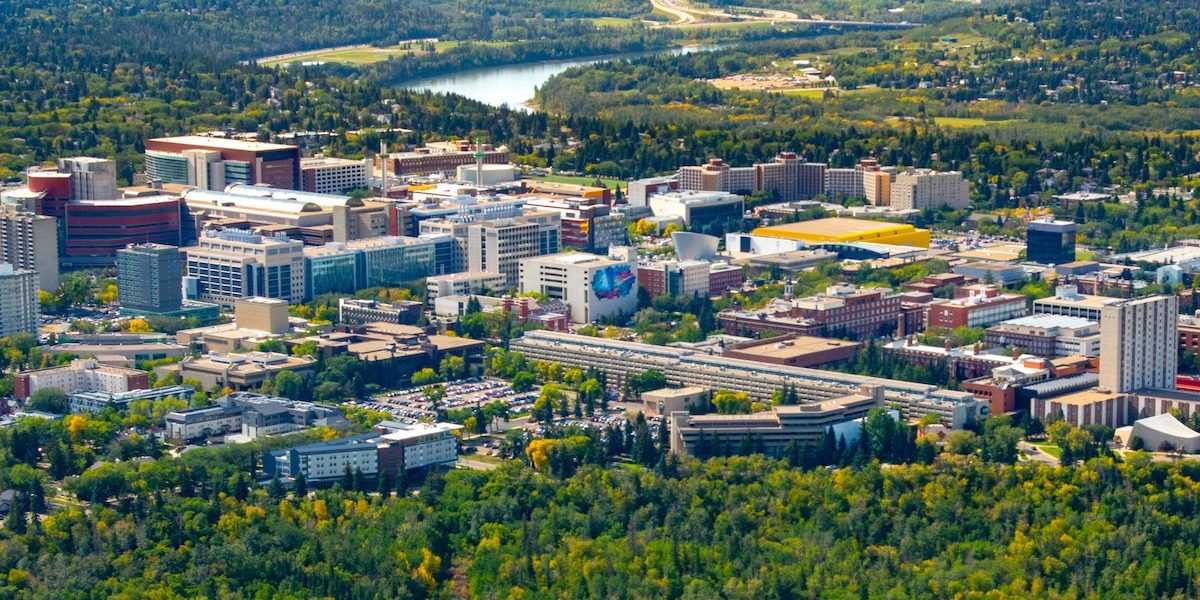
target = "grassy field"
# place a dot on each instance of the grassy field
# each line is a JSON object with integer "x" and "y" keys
{"x": 807, "y": 92}
{"x": 582, "y": 180}
{"x": 1051, "y": 449}
{"x": 970, "y": 122}
{"x": 362, "y": 55}
{"x": 613, "y": 22}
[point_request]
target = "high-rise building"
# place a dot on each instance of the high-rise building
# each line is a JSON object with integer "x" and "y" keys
{"x": 149, "y": 278}
{"x": 847, "y": 183}
{"x": 18, "y": 300}
{"x": 1138, "y": 344}
{"x": 233, "y": 264}
{"x": 30, "y": 241}
{"x": 877, "y": 187}
{"x": 1050, "y": 242}
{"x": 212, "y": 162}
{"x": 924, "y": 188}
{"x": 333, "y": 175}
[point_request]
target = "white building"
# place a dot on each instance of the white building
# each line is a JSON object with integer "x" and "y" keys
{"x": 82, "y": 375}
{"x": 233, "y": 264}
{"x": 594, "y": 286}
{"x": 18, "y": 300}
{"x": 924, "y": 188}
{"x": 700, "y": 210}
{"x": 464, "y": 284}
{"x": 424, "y": 444}
{"x": 844, "y": 182}
{"x": 1139, "y": 344}
{"x": 333, "y": 175}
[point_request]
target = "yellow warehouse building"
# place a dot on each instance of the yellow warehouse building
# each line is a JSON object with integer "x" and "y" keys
{"x": 835, "y": 230}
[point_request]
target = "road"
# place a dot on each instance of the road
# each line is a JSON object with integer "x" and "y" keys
{"x": 686, "y": 17}
{"x": 1036, "y": 454}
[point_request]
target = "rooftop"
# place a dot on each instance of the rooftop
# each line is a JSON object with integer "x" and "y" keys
{"x": 1049, "y": 321}
{"x": 222, "y": 143}
{"x": 792, "y": 347}
{"x": 1085, "y": 397}
{"x": 834, "y": 226}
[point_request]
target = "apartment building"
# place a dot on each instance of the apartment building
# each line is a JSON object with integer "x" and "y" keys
{"x": 82, "y": 375}
{"x": 30, "y": 241}
{"x": 716, "y": 176}
{"x": 149, "y": 278}
{"x": 18, "y": 301}
{"x": 232, "y": 264}
{"x": 788, "y": 177}
{"x": 924, "y": 188}
{"x": 1139, "y": 344}
{"x": 877, "y": 187}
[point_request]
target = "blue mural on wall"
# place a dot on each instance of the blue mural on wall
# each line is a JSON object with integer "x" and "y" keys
{"x": 616, "y": 281}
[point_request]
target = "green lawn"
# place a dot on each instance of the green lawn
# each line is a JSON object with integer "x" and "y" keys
{"x": 1051, "y": 449}
{"x": 612, "y": 22}
{"x": 807, "y": 92}
{"x": 582, "y": 180}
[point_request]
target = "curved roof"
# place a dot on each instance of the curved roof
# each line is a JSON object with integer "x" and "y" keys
{"x": 264, "y": 203}
{"x": 323, "y": 200}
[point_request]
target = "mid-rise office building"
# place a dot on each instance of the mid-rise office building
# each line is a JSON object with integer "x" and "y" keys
{"x": 251, "y": 415}
{"x": 676, "y": 277}
{"x": 18, "y": 301}
{"x": 149, "y": 278}
{"x": 233, "y": 264}
{"x": 1051, "y": 336}
{"x": 240, "y": 371}
{"x": 97, "y": 229}
{"x": 1050, "y": 242}
{"x": 333, "y": 175}
{"x": 501, "y": 245}
{"x": 770, "y": 431}
{"x": 924, "y": 188}
{"x": 593, "y": 286}
{"x": 444, "y": 158}
{"x": 30, "y": 241}
{"x": 587, "y": 224}
{"x": 1139, "y": 344}
{"x": 842, "y": 311}
{"x": 701, "y": 211}
{"x": 212, "y": 162}
{"x": 466, "y": 283}
{"x": 311, "y": 217}
{"x": 372, "y": 262}
{"x": 975, "y": 306}
{"x": 639, "y": 191}
{"x": 1067, "y": 301}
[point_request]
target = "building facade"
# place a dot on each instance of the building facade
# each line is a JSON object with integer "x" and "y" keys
{"x": 211, "y": 163}
{"x": 82, "y": 375}
{"x": 18, "y": 301}
{"x": 593, "y": 286}
{"x": 149, "y": 278}
{"x": 1139, "y": 344}
{"x": 1050, "y": 242}
{"x": 30, "y": 241}
{"x": 333, "y": 175}
{"x": 232, "y": 264}
{"x": 919, "y": 189}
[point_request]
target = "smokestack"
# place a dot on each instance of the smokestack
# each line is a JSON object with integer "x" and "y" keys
{"x": 383, "y": 187}
{"x": 478, "y": 164}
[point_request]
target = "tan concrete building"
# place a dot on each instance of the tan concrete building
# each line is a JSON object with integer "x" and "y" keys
{"x": 240, "y": 372}
{"x": 877, "y": 187}
{"x": 924, "y": 188}
{"x": 1138, "y": 344}
{"x": 230, "y": 265}
{"x": 668, "y": 400}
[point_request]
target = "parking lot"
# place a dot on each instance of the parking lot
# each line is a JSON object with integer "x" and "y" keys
{"x": 413, "y": 404}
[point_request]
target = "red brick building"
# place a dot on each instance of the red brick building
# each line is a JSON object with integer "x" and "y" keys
{"x": 975, "y": 306}
{"x": 168, "y": 160}
{"x": 96, "y": 229}
{"x": 842, "y": 311}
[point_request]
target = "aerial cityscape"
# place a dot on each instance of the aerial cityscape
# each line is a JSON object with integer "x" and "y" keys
{"x": 543, "y": 299}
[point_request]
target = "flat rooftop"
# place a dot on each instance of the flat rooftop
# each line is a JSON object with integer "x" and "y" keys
{"x": 997, "y": 253}
{"x": 1048, "y": 321}
{"x": 222, "y": 143}
{"x": 794, "y": 348}
{"x": 1081, "y": 300}
{"x": 1084, "y": 397}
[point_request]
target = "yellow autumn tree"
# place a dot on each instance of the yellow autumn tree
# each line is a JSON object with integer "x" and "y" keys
{"x": 140, "y": 325}
{"x": 538, "y": 452}
{"x": 108, "y": 295}
{"x": 426, "y": 571}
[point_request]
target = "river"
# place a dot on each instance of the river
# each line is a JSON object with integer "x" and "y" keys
{"x": 516, "y": 84}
